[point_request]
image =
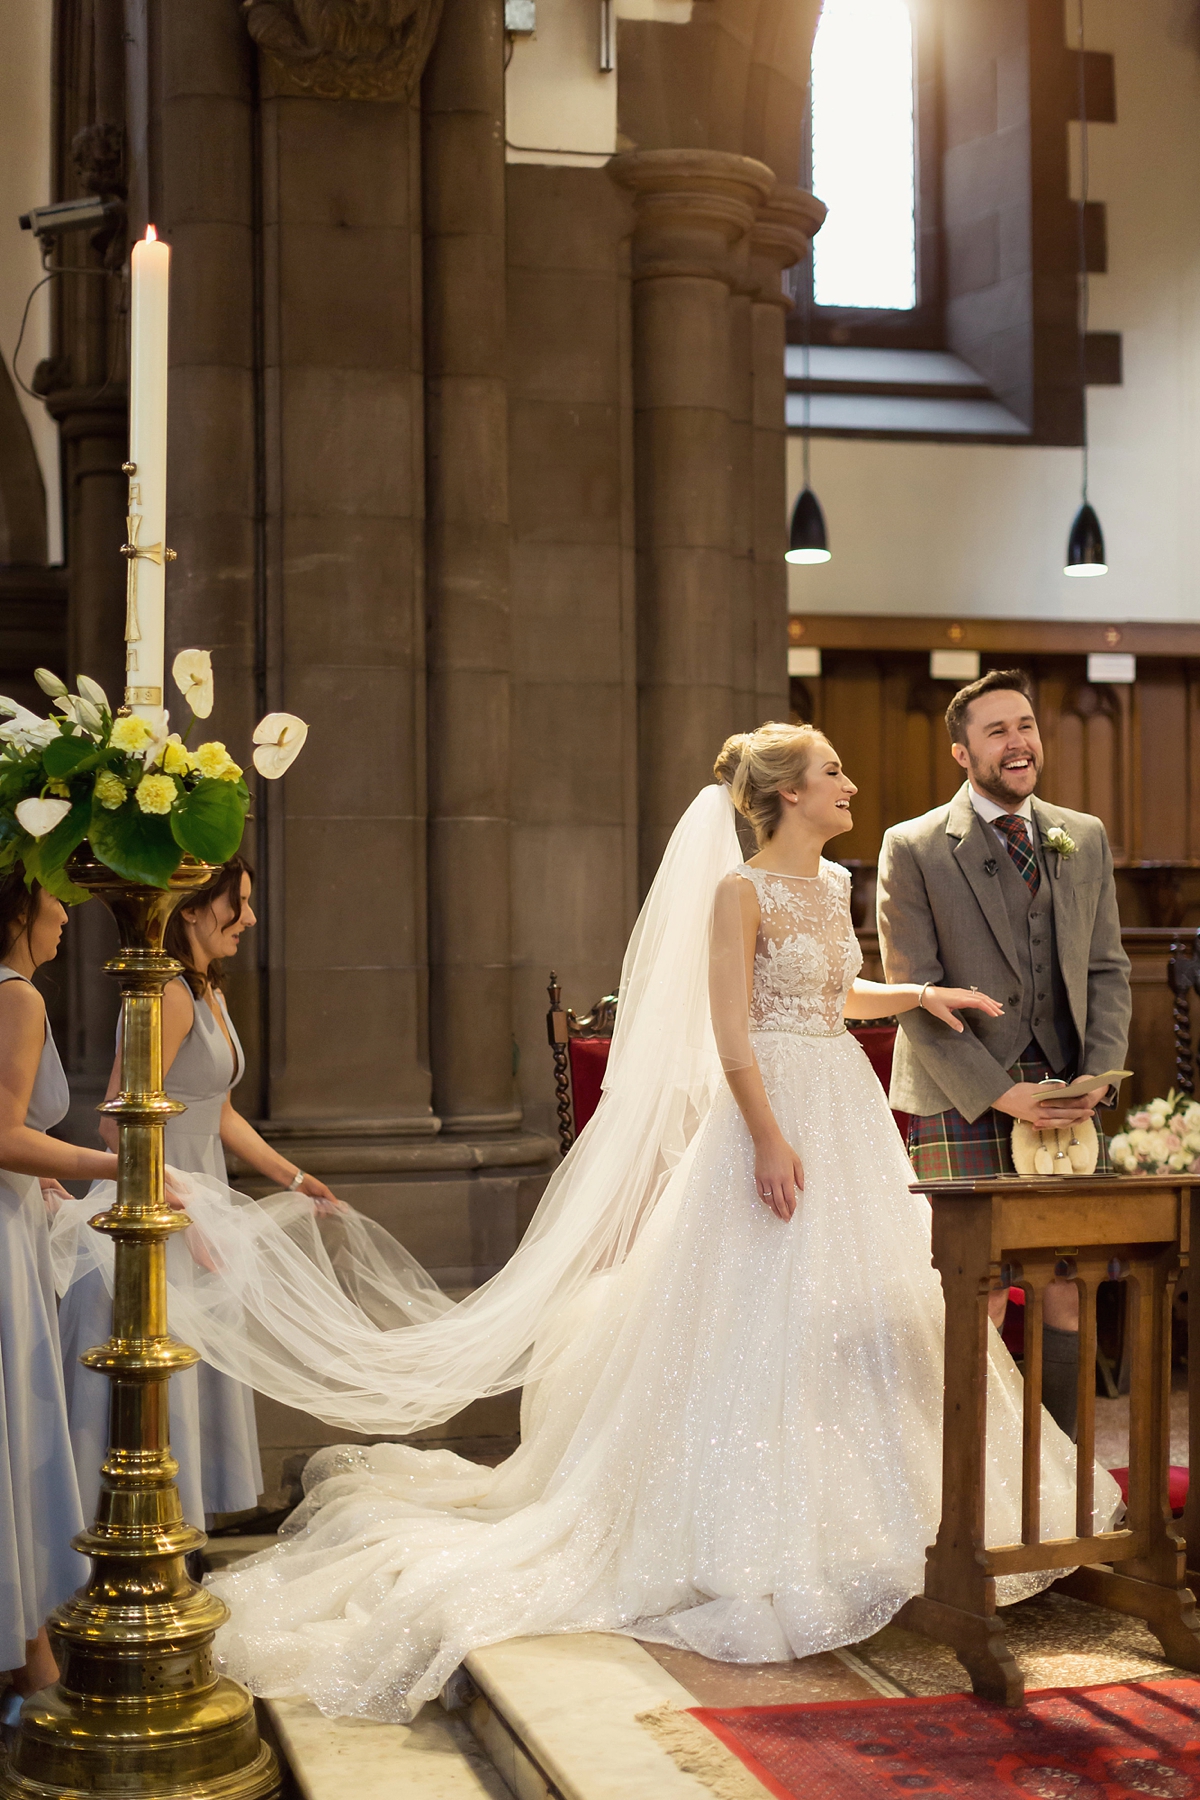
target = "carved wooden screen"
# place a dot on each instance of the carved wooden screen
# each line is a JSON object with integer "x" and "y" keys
{"x": 1130, "y": 754}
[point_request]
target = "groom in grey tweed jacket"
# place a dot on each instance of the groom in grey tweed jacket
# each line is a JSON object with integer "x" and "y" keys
{"x": 975, "y": 893}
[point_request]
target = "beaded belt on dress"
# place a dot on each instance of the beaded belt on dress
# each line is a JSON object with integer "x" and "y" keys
{"x": 798, "y": 1031}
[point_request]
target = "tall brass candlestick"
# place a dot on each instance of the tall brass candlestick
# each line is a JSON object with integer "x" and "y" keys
{"x": 139, "y": 1712}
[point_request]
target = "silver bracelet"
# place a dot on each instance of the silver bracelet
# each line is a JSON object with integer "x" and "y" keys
{"x": 297, "y": 1182}
{"x": 921, "y": 997}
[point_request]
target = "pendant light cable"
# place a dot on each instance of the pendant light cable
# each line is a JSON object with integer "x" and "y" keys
{"x": 1084, "y": 281}
{"x": 1085, "y": 543}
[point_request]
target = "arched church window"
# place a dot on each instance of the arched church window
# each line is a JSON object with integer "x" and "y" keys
{"x": 864, "y": 156}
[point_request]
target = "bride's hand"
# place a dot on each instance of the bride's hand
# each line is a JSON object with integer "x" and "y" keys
{"x": 944, "y": 1002}
{"x": 778, "y": 1175}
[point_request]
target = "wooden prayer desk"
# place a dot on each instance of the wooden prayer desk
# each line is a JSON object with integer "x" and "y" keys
{"x": 1095, "y": 1227}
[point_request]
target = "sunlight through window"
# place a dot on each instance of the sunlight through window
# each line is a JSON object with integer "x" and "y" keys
{"x": 862, "y": 155}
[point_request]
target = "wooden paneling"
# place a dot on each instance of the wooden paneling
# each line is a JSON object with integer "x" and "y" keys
{"x": 1128, "y": 753}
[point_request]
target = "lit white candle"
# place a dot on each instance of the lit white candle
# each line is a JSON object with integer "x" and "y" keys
{"x": 146, "y": 540}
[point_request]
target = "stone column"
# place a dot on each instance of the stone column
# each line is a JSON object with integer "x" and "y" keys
{"x": 742, "y": 595}
{"x": 467, "y": 572}
{"x": 693, "y": 212}
{"x": 342, "y": 628}
{"x": 199, "y": 94}
{"x": 84, "y": 384}
{"x": 782, "y": 235}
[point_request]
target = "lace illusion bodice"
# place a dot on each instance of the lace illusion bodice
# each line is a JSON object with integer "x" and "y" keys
{"x": 807, "y": 954}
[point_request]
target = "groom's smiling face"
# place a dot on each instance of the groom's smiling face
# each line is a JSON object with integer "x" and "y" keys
{"x": 1003, "y": 751}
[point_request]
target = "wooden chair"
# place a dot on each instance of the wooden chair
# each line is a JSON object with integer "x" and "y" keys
{"x": 580, "y": 1044}
{"x": 1183, "y": 972}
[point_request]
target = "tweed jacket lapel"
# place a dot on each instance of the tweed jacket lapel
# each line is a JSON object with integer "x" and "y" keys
{"x": 1062, "y": 891}
{"x": 977, "y": 847}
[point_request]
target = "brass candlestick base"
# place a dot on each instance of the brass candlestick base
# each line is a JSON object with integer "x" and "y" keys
{"x": 139, "y": 1712}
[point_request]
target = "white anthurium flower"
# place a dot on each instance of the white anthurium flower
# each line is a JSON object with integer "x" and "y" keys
{"x": 38, "y": 817}
{"x": 279, "y": 739}
{"x": 92, "y": 692}
{"x": 192, "y": 673}
{"x": 160, "y": 725}
{"x": 49, "y": 683}
{"x": 24, "y": 730}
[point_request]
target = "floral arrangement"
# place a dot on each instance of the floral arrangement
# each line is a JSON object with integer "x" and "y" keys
{"x": 1165, "y": 1135}
{"x": 126, "y": 783}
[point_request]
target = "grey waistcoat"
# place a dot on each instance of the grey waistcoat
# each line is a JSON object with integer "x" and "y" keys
{"x": 1045, "y": 1012}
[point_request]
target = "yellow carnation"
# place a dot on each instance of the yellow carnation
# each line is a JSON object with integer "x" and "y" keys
{"x": 110, "y": 790}
{"x": 131, "y": 734}
{"x": 155, "y": 793}
{"x": 214, "y": 762}
{"x": 177, "y": 759}
{"x": 58, "y": 788}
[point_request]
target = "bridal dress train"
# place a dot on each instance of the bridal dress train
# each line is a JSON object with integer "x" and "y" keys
{"x": 731, "y": 1425}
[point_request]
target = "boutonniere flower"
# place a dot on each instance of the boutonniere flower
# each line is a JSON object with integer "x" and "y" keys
{"x": 1062, "y": 843}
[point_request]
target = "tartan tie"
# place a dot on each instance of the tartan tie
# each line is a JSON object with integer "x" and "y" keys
{"x": 1020, "y": 848}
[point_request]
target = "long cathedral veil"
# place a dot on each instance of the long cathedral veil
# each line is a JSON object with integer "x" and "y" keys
{"x": 338, "y": 1320}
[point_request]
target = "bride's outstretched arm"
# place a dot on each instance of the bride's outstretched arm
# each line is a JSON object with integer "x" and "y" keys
{"x": 878, "y": 1000}
{"x": 778, "y": 1172}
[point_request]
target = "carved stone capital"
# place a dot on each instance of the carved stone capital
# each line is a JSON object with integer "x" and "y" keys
{"x": 782, "y": 235}
{"x": 693, "y": 210}
{"x": 344, "y": 49}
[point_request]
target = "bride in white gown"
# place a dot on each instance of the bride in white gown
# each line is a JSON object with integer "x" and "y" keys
{"x": 731, "y": 1420}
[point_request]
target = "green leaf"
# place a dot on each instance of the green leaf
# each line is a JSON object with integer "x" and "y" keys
{"x": 68, "y": 756}
{"x": 59, "y": 883}
{"x": 208, "y": 822}
{"x": 45, "y": 859}
{"x": 137, "y": 845}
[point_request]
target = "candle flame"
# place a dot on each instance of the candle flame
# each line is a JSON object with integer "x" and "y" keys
{"x": 151, "y": 235}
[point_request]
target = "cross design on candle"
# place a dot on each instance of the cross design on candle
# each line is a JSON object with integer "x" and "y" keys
{"x": 135, "y": 552}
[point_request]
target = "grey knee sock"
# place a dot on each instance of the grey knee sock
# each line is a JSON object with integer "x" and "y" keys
{"x": 1060, "y": 1376}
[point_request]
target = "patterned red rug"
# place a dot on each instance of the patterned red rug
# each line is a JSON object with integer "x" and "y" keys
{"x": 1121, "y": 1742}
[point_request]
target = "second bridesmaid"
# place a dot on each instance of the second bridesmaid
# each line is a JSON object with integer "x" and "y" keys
{"x": 213, "y": 1432}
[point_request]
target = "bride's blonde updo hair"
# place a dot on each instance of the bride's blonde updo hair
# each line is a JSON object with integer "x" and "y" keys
{"x": 754, "y": 765}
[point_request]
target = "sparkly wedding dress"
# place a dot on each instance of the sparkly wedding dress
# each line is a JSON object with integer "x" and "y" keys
{"x": 731, "y": 1425}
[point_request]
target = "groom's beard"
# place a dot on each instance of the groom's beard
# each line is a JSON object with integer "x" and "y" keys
{"x": 990, "y": 778}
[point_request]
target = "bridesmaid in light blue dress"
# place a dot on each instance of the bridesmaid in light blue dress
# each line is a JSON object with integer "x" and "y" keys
{"x": 39, "y": 1501}
{"x": 213, "y": 1432}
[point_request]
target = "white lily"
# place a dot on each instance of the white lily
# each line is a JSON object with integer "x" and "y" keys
{"x": 25, "y": 731}
{"x": 160, "y": 725}
{"x": 49, "y": 683}
{"x": 279, "y": 739}
{"x": 38, "y": 817}
{"x": 192, "y": 673}
{"x": 93, "y": 692}
{"x": 89, "y": 716}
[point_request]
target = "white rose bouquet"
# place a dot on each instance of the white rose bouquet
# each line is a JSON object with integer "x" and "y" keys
{"x": 1161, "y": 1137}
{"x": 127, "y": 784}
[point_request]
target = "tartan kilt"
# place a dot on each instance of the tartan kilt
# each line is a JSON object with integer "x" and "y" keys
{"x": 946, "y": 1147}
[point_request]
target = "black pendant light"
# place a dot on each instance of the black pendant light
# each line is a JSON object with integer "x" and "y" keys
{"x": 808, "y": 538}
{"x": 1085, "y": 545}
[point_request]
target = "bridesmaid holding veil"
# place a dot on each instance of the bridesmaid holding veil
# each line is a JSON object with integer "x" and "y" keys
{"x": 39, "y": 1502}
{"x": 213, "y": 1432}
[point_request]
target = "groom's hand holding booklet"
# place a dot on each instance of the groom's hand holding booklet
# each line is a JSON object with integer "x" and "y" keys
{"x": 1084, "y": 1084}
